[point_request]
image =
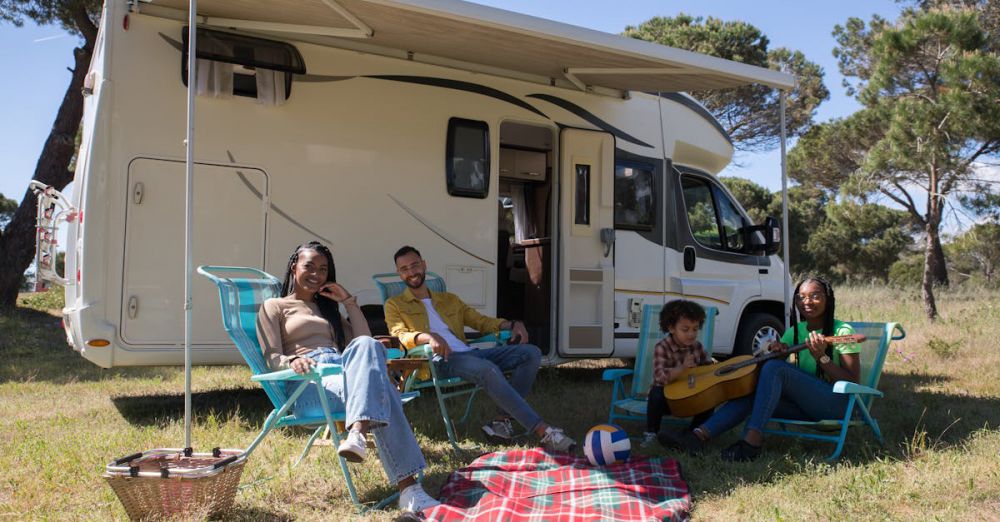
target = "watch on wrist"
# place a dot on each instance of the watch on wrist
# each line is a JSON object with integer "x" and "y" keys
{"x": 824, "y": 359}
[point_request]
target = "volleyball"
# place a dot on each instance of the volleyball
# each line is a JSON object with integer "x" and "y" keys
{"x": 606, "y": 444}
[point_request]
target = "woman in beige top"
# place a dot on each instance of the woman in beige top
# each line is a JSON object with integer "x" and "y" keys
{"x": 304, "y": 328}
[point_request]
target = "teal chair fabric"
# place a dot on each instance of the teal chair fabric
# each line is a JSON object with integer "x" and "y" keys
{"x": 242, "y": 291}
{"x": 629, "y": 402}
{"x": 390, "y": 285}
{"x": 862, "y": 394}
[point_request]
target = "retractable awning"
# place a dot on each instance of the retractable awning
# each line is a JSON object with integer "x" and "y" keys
{"x": 463, "y": 32}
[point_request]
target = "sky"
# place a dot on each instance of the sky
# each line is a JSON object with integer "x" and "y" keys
{"x": 39, "y": 58}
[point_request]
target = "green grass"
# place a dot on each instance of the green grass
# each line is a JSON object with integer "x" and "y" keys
{"x": 62, "y": 419}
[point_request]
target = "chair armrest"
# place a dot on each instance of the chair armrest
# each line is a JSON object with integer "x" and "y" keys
{"x": 420, "y": 350}
{"x": 902, "y": 333}
{"x": 499, "y": 338}
{"x": 616, "y": 374}
{"x": 853, "y": 387}
{"x": 319, "y": 370}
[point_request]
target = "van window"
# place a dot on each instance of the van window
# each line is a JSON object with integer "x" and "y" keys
{"x": 467, "y": 158}
{"x": 701, "y": 211}
{"x": 732, "y": 221}
{"x": 715, "y": 220}
{"x": 581, "y": 215}
{"x": 634, "y": 204}
{"x": 253, "y": 62}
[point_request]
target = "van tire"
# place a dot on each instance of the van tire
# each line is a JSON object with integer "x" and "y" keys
{"x": 754, "y": 327}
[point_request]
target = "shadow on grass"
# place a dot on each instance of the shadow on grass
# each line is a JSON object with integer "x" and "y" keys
{"x": 33, "y": 348}
{"x": 250, "y": 405}
{"x": 911, "y": 419}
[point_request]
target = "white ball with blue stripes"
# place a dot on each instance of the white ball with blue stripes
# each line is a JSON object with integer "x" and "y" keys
{"x": 606, "y": 444}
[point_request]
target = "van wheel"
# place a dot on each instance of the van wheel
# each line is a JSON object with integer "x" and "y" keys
{"x": 754, "y": 330}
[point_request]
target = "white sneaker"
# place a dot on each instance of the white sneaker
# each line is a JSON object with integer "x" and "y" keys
{"x": 354, "y": 447}
{"x": 555, "y": 440}
{"x": 648, "y": 439}
{"x": 414, "y": 499}
{"x": 500, "y": 429}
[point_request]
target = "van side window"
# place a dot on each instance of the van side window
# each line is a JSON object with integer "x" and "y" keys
{"x": 732, "y": 221}
{"x": 701, "y": 211}
{"x": 582, "y": 206}
{"x": 233, "y": 64}
{"x": 634, "y": 203}
{"x": 467, "y": 158}
{"x": 716, "y": 221}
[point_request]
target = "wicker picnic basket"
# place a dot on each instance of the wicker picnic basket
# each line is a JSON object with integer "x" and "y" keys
{"x": 169, "y": 481}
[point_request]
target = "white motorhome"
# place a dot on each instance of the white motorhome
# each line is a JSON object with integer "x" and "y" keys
{"x": 523, "y": 157}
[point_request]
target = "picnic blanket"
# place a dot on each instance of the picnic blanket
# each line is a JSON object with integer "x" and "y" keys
{"x": 532, "y": 485}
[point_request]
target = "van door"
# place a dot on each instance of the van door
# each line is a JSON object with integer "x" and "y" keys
{"x": 229, "y": 218}
{"x": 715, "y": 271}
{"x": 586, "y": 244}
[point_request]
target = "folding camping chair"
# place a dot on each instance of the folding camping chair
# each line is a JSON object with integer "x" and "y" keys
{"x": 631, "y": 405}
{"x": 873, "y": 352}
{"x": 242, "y": 291}
{"x": 390, "y": 285}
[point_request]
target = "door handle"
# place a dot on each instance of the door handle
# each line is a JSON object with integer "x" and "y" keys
{"x": 689, "y": 258}
{"x": 608, "y": 238}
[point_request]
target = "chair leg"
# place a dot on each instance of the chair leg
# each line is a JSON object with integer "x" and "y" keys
{"x": 274, "y": 416}
{"x": 468, "y": 406}
{"x": 844, "y": 426}
{"x": 268, "y": 424}
{"x": 449, "y": 425}
{"x": 871, "y": 422}
{"x": 309, "y": 444}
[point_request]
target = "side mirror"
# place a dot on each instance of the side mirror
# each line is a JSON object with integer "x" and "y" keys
{"x": 763, "y": 239}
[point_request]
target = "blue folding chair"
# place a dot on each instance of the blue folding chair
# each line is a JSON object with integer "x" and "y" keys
{"x": 390, "y": 285}
{"x": 873, "y": 353}
{"x": 242, "y": 291}
{"x": 631, "y": 405}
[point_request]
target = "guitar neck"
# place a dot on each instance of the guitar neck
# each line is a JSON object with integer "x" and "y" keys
{"x": 760, "y": 358}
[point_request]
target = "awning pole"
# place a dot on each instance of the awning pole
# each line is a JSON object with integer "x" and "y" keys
{"x": 784, "y": 215}
{"x": 192, "y": 86}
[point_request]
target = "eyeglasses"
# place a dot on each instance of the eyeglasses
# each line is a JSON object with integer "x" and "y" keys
{"x": 410, "y": 268}
{"x": 815, "y": 296}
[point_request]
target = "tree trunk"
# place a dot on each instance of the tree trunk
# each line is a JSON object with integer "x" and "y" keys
{"x": 17, "y": 240}
{"x": 939, "y": 269}
{"x": 930, "y": 306}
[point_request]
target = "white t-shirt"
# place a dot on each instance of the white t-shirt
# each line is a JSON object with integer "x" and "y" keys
{"x": 439, "y": 327}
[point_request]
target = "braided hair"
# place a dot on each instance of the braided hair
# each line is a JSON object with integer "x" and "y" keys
{"x": 328, "y": 308}
{"x": 827, "y": 312}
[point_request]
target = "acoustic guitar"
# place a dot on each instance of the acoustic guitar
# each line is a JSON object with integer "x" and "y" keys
{"x": 704, "y": 387}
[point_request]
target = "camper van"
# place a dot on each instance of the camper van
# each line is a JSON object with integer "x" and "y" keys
{"x": 547, "y": 172}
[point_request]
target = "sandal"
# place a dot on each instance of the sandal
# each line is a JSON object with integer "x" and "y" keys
{"x": 741, "y": 451}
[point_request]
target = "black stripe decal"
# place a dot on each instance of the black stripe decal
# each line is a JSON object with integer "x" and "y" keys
{"x": 626, "y": 335}
{"x": 277, "y": 210}
{"x": 590, "y": 117}
{"x": 697, "y": 108}
{"x": 173, "y": 43}
{"x": 460, "y": 86}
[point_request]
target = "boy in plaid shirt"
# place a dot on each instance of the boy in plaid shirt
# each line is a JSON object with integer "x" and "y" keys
{"x": 673, "y": 355}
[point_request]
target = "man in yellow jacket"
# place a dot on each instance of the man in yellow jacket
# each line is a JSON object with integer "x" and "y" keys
{"x": 438, "y": 319}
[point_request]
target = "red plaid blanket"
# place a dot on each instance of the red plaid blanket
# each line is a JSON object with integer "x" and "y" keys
{"x": 532, "y": 485}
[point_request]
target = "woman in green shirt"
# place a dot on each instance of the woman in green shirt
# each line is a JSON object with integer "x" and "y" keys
{"x": 802, "y": 389}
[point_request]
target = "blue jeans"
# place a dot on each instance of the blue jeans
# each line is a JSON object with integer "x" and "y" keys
{"x": 365, "y": 393}
{"x": 486, "y": 368}
{"x": 782, "y": 391}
